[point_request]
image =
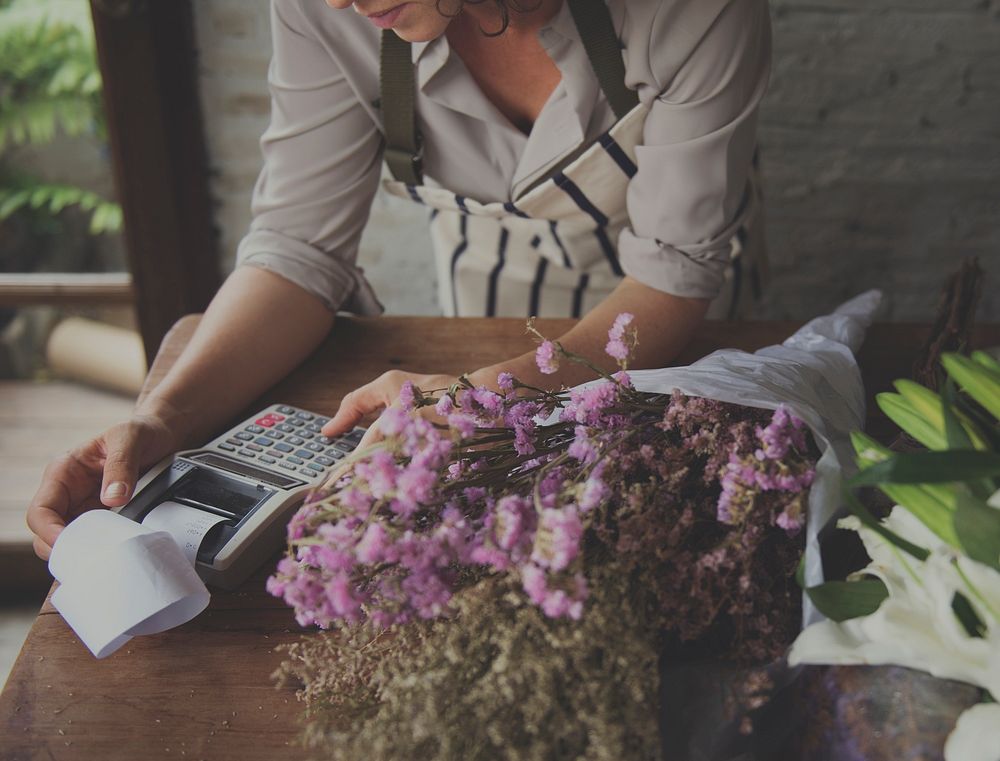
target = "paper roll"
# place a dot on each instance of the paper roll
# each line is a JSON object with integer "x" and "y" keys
{"x": 187, "y": 525}
{"x": 99, "y": 354}
{"x": 118, "y": 579}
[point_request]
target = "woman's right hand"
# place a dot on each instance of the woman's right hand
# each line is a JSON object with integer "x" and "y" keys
{"x": 100, "y": 473}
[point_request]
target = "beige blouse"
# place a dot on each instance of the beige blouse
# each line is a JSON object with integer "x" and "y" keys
{"x": 701, "y": 65}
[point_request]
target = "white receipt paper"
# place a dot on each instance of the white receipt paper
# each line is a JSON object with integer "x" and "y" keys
{"x": 118, "y": 579}
{"x": 187, "y": 525}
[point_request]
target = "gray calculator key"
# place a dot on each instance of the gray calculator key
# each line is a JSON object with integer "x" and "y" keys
{"x": 287, "y": 465}
{"x": 324, "y": 460}
{"x": 284, "y": 409}
{"x": 343, "y": 446}
{"x": 255, "y": 447}
{"x": 321, "y": 421}
{"x": 281, "y": 446}
{"x": 234, "y": 442}
{"x": 295, "y": 422}
{"x": 307, "y": 434}
{"x": 227, "y": 447}
{"x": 296, "y": 460}
{"x": 254, "y": 429}
{"x": 336, "y": 454}
{"x": 304, "y": 415}
{"x": 246, "y": 453}
{"x": 263, "y": 441}
{"x": 312, "y": 446}
{"x": 275, "y": 434}
{"x": 244, "y": 436}
{"x": 314, "y": 466}
{"x": 308, "y": 471}
{"x": 312, "y": 427}
{"x": 355, "y": 435}
{"x": 304, "y": 454}
{"x": 323, "y": 440}
{"x": 274, "y": 453}
{"x": 285, "y": 427}
{"x": 295, "y": 440}
{"x": 265, "y": 458}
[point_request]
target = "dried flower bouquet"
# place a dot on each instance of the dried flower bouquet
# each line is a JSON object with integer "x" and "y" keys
{"x": 500, "y": 587}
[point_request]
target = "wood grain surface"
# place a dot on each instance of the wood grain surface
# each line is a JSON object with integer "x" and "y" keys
{"x": 203, "y": 690}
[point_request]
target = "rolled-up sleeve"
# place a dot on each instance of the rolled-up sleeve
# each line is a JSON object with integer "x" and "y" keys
{"x": 692, "y": 190}
{"x": 322, "y": 156}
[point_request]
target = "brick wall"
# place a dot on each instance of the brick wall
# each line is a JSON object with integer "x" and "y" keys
{"x": 880, "y": 141}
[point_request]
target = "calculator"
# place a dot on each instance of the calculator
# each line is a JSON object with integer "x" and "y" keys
{"x": 228, "y": 503}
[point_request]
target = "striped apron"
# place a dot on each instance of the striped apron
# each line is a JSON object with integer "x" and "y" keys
{"x": 551, "y": 252}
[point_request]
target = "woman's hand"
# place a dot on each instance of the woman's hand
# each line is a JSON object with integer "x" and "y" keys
{"x": 376, "y": 396}
{"x": 101, "y": 473}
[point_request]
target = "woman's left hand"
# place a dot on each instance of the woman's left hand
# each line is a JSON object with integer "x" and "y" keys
{"x": 376, "y": 396}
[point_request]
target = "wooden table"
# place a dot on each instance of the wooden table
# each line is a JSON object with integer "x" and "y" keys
{"x": 203, "y": 690}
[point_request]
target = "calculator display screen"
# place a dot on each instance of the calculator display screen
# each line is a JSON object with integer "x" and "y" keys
{"x": 200, "y": 490}
{"x": 249, "y": 471}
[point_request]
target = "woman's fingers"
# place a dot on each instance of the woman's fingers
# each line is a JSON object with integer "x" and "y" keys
{"x": 376, "y": 396}
{"x": 353, "y": 408}
{"x": 67, "y": 482}
{"x": 41, "y": 549}
{"x": 371, "y": 397}
{"x": 121, "y": 467}
{"x": 102, "y": 473}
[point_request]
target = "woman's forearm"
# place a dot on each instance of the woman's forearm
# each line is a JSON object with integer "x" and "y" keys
{"x": 665, "y": 324}
{"x": 257, "y": 329}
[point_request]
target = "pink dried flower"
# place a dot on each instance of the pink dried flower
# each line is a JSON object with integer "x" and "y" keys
{"x": 557, "y": 541}
{"x": 372, "y": 547}
{"x": 622, "y": 338}
{"x": 545, "y": 358}
{"x": 445, "y": 405}
{"x": 464, "y": 424}
{"x": 554, "y": 602}
{"x": 407, "y": 396}
{"x": 393, "y": 420}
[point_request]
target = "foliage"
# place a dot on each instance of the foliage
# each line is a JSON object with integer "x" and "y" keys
{"x": 49, "y": 84}
{"x": 930, "y": 599}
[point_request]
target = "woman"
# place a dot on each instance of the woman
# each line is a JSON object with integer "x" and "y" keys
{"x": 560, "y": 178}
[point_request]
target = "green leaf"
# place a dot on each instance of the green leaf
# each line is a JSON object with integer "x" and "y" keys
{"x": 986, "y": 360}
{"x": 800, "y": 572}
{"x": 912, "y": 420}
{"x": 869, "y": 521}
{"x": 843, "y": 600}
{"x": 959, "y": 438}
{"x": 954, "y": 433}
{"x": 977, "y": 380}
{"x": 977, "y": 526}
{"x": 931, "y": 468}
{"x": 967, "y": 616}
{"x": 931, "y": 504}
{"x": 13, "y": 202}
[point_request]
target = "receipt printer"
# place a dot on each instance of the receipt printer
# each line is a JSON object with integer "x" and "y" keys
{"x": 228, "y": 504}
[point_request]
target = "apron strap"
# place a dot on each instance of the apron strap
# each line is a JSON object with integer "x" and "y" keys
{"x": 604, "y": 50}
{"x": 403, "y": 152}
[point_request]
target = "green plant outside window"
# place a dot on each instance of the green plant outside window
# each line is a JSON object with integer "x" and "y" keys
{"x": 49, "y": 85}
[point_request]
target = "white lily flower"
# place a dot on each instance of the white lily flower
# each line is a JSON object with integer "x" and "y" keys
{"x": 976, "y": 736}
{"x": 994, "y": 501}
{"x": 915, "y": 626}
